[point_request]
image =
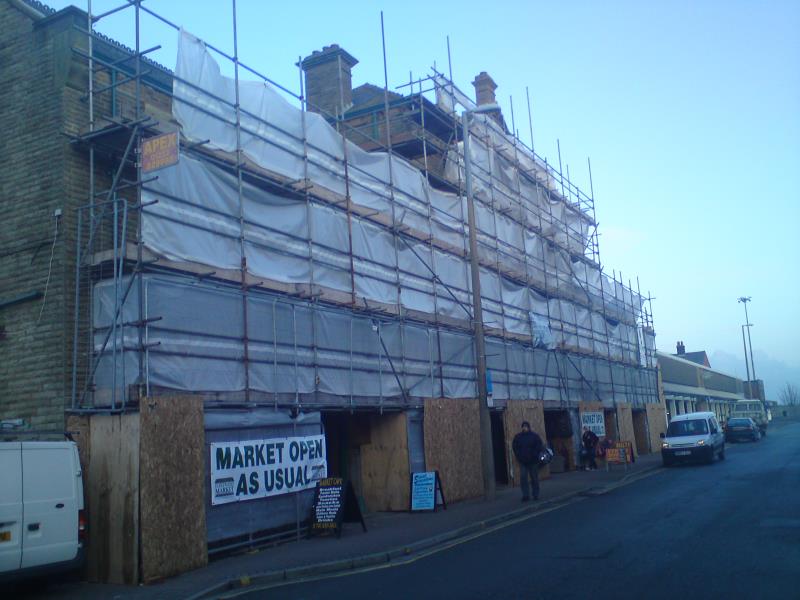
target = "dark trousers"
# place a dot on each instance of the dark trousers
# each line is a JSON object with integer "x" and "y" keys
{"x": 590, "y": 458}
{"x": 531, "y": 471}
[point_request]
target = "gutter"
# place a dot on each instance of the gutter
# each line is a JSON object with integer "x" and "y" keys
{"x": 29, "y": 9}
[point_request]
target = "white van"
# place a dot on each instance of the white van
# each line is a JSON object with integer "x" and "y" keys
{"x": 752, "y": 409}
{"x": 42, "y": 521}
{"x": 693, "y": 436}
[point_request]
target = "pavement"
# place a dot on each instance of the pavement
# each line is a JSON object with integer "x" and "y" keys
{"x": 730, "y": 529}
{"x": 390, "y": 537}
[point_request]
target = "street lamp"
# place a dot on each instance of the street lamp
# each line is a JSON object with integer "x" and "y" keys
{"x": 746, "y": 363}
{"x": 744, "y": 300}
{"x": 487, "y": 451}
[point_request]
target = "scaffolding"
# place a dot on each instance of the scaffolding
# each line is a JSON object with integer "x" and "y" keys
{"x": 281, "y": 264}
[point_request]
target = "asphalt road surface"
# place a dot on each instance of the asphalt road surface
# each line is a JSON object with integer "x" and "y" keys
{"x": 727, "y": 530}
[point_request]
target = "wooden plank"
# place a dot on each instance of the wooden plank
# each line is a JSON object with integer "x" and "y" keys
{"x": 625, "y": 419}
{"x": 452, "y": 445}
{"x": 173, "y": 518}
{"x": 384, "y": 463}
{"x": 657, "y": 424}
{"x": 640, "y": 432}
{"x": 113, "y": 501}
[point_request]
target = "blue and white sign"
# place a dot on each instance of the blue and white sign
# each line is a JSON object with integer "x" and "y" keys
{"x": 423, "y": 491}
{"x": 595, "y": 421}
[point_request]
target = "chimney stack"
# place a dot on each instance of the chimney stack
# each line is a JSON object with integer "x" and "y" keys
{"x": 329, "y": 87}
{"x": 681, "y": 348}
{"x": 484, "y": 89}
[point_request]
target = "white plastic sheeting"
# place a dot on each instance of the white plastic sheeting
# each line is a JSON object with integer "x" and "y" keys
{"x": 298, "y": 350}
{"x": 303, "y": 352}
{"x": 192, "y": 214}
{"x": 289, "y": 240}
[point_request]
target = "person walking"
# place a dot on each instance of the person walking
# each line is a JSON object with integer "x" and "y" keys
{"x": 527, "y": 447}
{"x": 589, "y": 440}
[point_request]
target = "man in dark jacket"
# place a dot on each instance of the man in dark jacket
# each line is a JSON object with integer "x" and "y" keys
{"x": 527, "y": 447}
{"x": 589, "y": 439}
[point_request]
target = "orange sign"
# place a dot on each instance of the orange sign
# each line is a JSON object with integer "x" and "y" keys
{"x": 617, "y": 455}
{"x": 620, "y": 452}
{"x": 160, "y": 151}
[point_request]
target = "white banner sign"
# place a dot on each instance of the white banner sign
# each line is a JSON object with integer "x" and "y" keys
{"x": 595, "y": 421}
{"x": 246, "y": 470}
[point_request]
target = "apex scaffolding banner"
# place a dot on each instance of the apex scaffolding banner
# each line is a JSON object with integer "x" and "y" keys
{"x": 246, "y": 470}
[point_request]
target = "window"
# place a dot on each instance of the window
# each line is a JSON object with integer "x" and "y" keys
{"x": 690, "y": 427}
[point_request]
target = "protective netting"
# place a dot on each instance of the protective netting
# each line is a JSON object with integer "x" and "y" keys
{"x": 302, "y": 351}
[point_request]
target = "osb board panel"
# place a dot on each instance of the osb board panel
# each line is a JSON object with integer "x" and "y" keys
{"x": 452, "y": 446}
{"x": 173, "y": 518}
{"x": 516, "y": 412}
{"x": 640, "y": 431}
{"x": 657, "y": 421}
{"x": 625, "y": 418}
{"x": 113, "y": 506}
{"x": 384, "y": 464}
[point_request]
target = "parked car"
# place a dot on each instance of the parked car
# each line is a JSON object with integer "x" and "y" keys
{"x": 693, "y": 437}
{"x": 42, "y": 520}
{"x": 753, "y": 409}
{"x": 739, "y": 428}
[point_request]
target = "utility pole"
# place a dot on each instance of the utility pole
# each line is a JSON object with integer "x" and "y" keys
{"x": 487, "y": 450}
{"x": 746, "y": 362}
{"x": 744, "y": 300}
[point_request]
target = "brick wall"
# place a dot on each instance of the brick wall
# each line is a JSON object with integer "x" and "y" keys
{"x": 43, "y": 84}
{"x": 32, "y": 351}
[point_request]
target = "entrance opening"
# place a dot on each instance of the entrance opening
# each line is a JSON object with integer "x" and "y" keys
{"x": 375, "y": 452}
{"x": 499, "y": 448}
{"x": 345, "y": 433}
{"x": 640, "y": 432}
{"x": 558, "y": 430}
{"x": 610, "y": 418}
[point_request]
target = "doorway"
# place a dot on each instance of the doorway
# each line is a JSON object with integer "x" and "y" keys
{"x": 499, "y": 448}
{"x": 610, "y": 417}
{"x": 640, "y": 432}
{"x": 345, "y": 433}
{"x": 558, "y": 430}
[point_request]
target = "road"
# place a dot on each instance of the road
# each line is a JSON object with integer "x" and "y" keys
{"x": 727, "y": 530}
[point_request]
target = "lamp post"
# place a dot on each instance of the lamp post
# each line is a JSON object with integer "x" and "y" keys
{"x": 746, "y": 363}
{"x": 487, "y": 451}
{"x": 744, "y": 300}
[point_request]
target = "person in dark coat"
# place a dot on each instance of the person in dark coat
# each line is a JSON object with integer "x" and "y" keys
{"x": 589, "y": 440}
{"x": 527, "y": 447}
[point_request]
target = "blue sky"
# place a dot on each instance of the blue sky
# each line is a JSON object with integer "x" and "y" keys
{"x": 690, "y": 112}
